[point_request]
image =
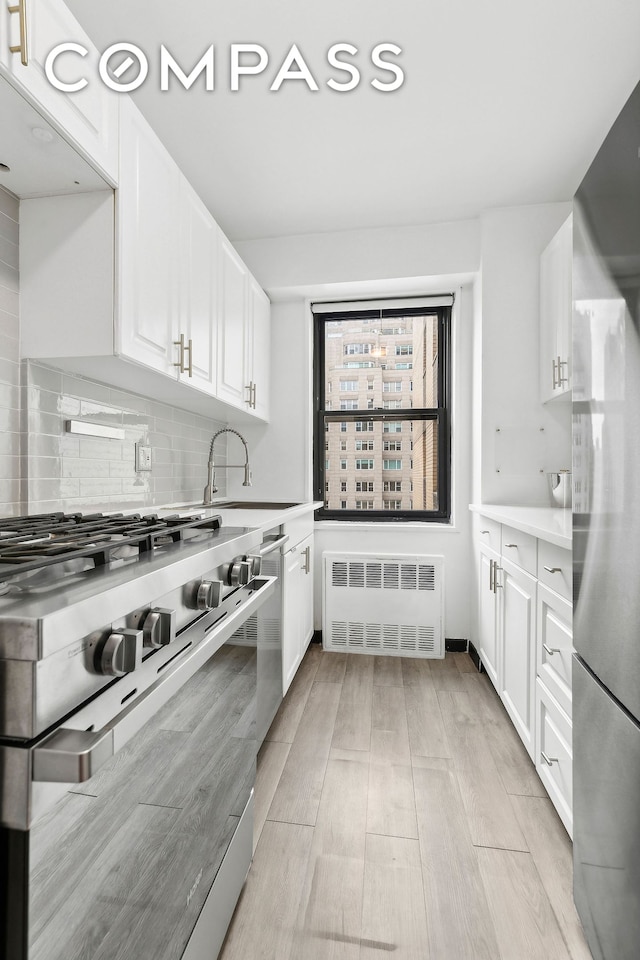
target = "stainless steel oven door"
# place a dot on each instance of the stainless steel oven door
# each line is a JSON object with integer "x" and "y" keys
{"x": 121, "y": 865}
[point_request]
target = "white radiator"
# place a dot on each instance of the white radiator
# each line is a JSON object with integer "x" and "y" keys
{"x": 381, "y": 604}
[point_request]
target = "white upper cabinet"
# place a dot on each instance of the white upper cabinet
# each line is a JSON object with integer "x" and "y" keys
{"x": 175, "y": 316}
{"x": 555, "y": 315}
{"x": 198, "y": 306}
{"x": 148, "y": 244}
{"x": 260, "y": 349}
{"x": 87, "y": 118}
{"x": 233, "y": 328}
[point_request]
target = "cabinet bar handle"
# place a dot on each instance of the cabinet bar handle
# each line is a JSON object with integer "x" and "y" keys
{"x": 561, "y": 379}
{"x": 184, "y": 348}
{"x": 485, "y": 531}
{"x": 555, "y": 379}
{"x": 496, "y": 585}
{"x": 307, "y": 560}
{"x": 553, "y": 569}
{"x": 249, "y": 387}
{"x": 491, "y": 563}
{"x": 253, "y": 402}
{"x": 548, "y": 760}
{"x": 515, "y": 545}
{"x": 551, "y": 650}
{"x": 22, "y": 48}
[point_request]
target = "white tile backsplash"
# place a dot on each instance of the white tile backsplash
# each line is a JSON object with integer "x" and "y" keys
{"x": 91, "y": 473}
{"x": 10, "y": 473}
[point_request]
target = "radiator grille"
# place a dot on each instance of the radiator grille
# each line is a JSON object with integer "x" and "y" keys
{"x": 388, "y": 605}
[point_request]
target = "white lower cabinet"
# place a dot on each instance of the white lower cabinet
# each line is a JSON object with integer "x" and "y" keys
{"x": 297, "y": 615}
{"x": 554, "y": 753}
{"x": 525, "y": 644}
{"x": 518, "y": 649}
{"x": 488, "y": 611}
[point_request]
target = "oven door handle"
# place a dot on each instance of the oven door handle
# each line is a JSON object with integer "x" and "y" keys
{"x": 73, "y": 756}
{"x": 268, "y": 546}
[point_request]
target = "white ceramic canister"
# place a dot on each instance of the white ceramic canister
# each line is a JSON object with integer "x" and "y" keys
{"x": 560, "y": 488}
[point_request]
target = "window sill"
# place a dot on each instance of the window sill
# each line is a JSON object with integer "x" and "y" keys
{"x": 423, "y": 525}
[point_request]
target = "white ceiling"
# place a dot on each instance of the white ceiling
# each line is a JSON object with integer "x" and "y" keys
{"x": 505, "y": 102}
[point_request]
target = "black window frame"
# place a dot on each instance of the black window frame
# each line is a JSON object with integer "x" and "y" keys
{"x": 440, "y": 414}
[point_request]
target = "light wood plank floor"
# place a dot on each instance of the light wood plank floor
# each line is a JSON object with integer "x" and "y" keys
{"x": 397, "y": 812}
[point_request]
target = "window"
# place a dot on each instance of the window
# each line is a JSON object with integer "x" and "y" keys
{"x": 343, "y": 486}
{"x": 392, "y": 486}
{"x": 354, "y": 348}
{"x": 343, "y": 444}
{"x": 386, "y": 411}
{"x": 364, "y": 486}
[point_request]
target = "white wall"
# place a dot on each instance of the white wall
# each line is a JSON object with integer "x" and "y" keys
{"x": 434, "y": 258}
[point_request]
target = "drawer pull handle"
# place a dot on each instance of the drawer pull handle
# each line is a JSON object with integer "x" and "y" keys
{"x": 485, "y": 531}
{"x": 551, "y": 650}
{"x": 553, "y": 569}
{"x": 511, "y": 545}
{"x": 548, "y": 760}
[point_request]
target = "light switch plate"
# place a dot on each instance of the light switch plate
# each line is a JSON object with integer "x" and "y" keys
{"x": 143, "y": 458}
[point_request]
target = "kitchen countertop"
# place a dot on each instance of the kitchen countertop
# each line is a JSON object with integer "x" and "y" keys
{"x": 237, "y": 517}
{"x": 546, "y": 523}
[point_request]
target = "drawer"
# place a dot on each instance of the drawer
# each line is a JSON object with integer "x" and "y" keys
{"x": 489, "y": 533}
{"x": 555, "y": 645}
{"x": 520, "y": 548}
{"x": 554, "y": 753}
{"x": 298, "y": 528}
{"x": 555, "y": 568}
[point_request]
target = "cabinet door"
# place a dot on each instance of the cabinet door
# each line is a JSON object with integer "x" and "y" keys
{"x": 199, "y": 240}
{"x": 148, "y": 237}
{"x": 488, "y": 613}
{"x": 305, "y": 549}
{"x": 89, "y": 117}
{"x": 260, "y": 348}
{"x": 517, "y": 649}
{"x": 292, "y": 617}
{"x": 555, "y": 315}
{"x": 233, "y": 323}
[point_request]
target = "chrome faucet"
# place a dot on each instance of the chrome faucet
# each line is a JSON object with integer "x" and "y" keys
{"x": 211, "y": 488}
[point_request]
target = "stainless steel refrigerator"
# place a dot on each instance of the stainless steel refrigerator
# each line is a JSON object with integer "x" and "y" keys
{"x": 606, "y": 473}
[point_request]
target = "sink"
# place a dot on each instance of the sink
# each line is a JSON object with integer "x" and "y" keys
{"x": 234, "y": 505}
{"x": 254, "y": 505}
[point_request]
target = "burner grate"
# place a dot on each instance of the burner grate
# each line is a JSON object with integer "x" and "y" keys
{"x": 30, "y": 543}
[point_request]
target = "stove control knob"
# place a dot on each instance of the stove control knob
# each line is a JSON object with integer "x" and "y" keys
{"x": 121, "y": 653}
{"x": 209, "y": 594}
{"x": 159, "y": 627}
{"x": 256, "y": 564}
{"x": 239, "y": 572}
